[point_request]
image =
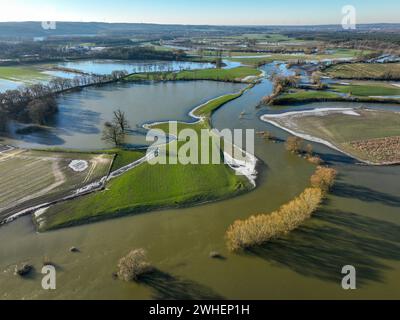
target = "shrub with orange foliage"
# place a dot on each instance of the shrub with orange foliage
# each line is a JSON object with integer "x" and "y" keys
{"x": 323, "y": 178}
{"x": 294, "y": 144}
{"x": 262, "y": 228}
{"x": 315, "y": 160}
{"x": 133, "y": 265}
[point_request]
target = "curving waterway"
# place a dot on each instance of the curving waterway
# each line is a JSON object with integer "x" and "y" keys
{"x": 79, "y": 122}
{"x": 358, "y": 225}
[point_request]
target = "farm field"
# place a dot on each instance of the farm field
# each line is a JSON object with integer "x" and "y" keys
{"x": 262, "y": 36}
{"x": 30, "y": 178}
{"x": 270, "y": 37}
{"x": 25, "y": 74}
{"x": 258, "y": 61}
{"x": 353, "y": 131}
{"x": 247, "y": 54}
{"x": 364, "y": 71}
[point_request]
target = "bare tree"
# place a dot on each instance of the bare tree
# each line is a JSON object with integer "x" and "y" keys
{"x": 40, "y": 110}
{"x": 134, "y": 265}
{"x": 120, "y": 120}
{"x": 113, "y": 134}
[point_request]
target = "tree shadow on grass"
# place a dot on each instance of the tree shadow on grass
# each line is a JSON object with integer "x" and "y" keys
{"x": 365, "y": 194}
{"x": 321, "y": 251}
{"x": 169, "y": 287}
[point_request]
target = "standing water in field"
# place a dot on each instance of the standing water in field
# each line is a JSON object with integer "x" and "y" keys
{"x": 108, "y": 66}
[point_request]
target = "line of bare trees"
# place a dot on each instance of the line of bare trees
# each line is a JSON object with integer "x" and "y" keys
{"x": 37, "y": 103}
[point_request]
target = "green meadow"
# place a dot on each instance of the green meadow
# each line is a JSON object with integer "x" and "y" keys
{"x": 21, "y": 74}
{"x": 365, "y": 90}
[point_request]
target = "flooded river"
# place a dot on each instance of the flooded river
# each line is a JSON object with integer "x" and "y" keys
{"x": 358, "y": 225}
{"x": 81, "y": 117}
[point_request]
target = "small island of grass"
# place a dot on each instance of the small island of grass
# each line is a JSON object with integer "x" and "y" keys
{"x": 351, "y": 131}
{"x": 352, "y": 92}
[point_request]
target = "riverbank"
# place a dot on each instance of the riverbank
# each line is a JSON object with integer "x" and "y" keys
{"x": 347, "y": 130}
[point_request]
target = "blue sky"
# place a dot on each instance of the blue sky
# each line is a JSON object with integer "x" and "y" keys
{"x": 220, "y": 12}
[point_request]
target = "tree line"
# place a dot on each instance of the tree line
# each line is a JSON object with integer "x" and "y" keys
{"x": 37, "y": 103}
{"x": 31, "y": 52}
{"x": 260, "y": 229}
{"x": 140, "y": 53}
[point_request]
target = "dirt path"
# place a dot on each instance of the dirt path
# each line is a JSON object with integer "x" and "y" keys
{"x": 10, "y": 154}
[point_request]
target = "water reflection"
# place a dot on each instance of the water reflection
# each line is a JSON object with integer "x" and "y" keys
{"x": 108, "y": 66}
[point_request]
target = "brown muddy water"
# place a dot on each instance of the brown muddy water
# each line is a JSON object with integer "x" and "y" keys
{"x": 358, "y": 225}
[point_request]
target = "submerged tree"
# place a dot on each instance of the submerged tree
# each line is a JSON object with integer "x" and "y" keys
{"x": 309, "y": 150}
{"x": 41, "y": 110}
{"x": 133, "y": 265}
{"x": 121, "y": 121}
{"x": 293, "y": 144}
{"x": 113, "y": 134}
{"x": 218, "y": 60}
{"x": 324, "y": 178}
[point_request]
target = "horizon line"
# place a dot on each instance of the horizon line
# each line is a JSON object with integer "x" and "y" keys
{"x": 209, "y": 25}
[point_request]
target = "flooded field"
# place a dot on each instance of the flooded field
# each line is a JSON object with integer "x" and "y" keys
{"x": 358, "y": 225}
{"x": 108, "y": 66}
{"x": 13, "y": 77}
